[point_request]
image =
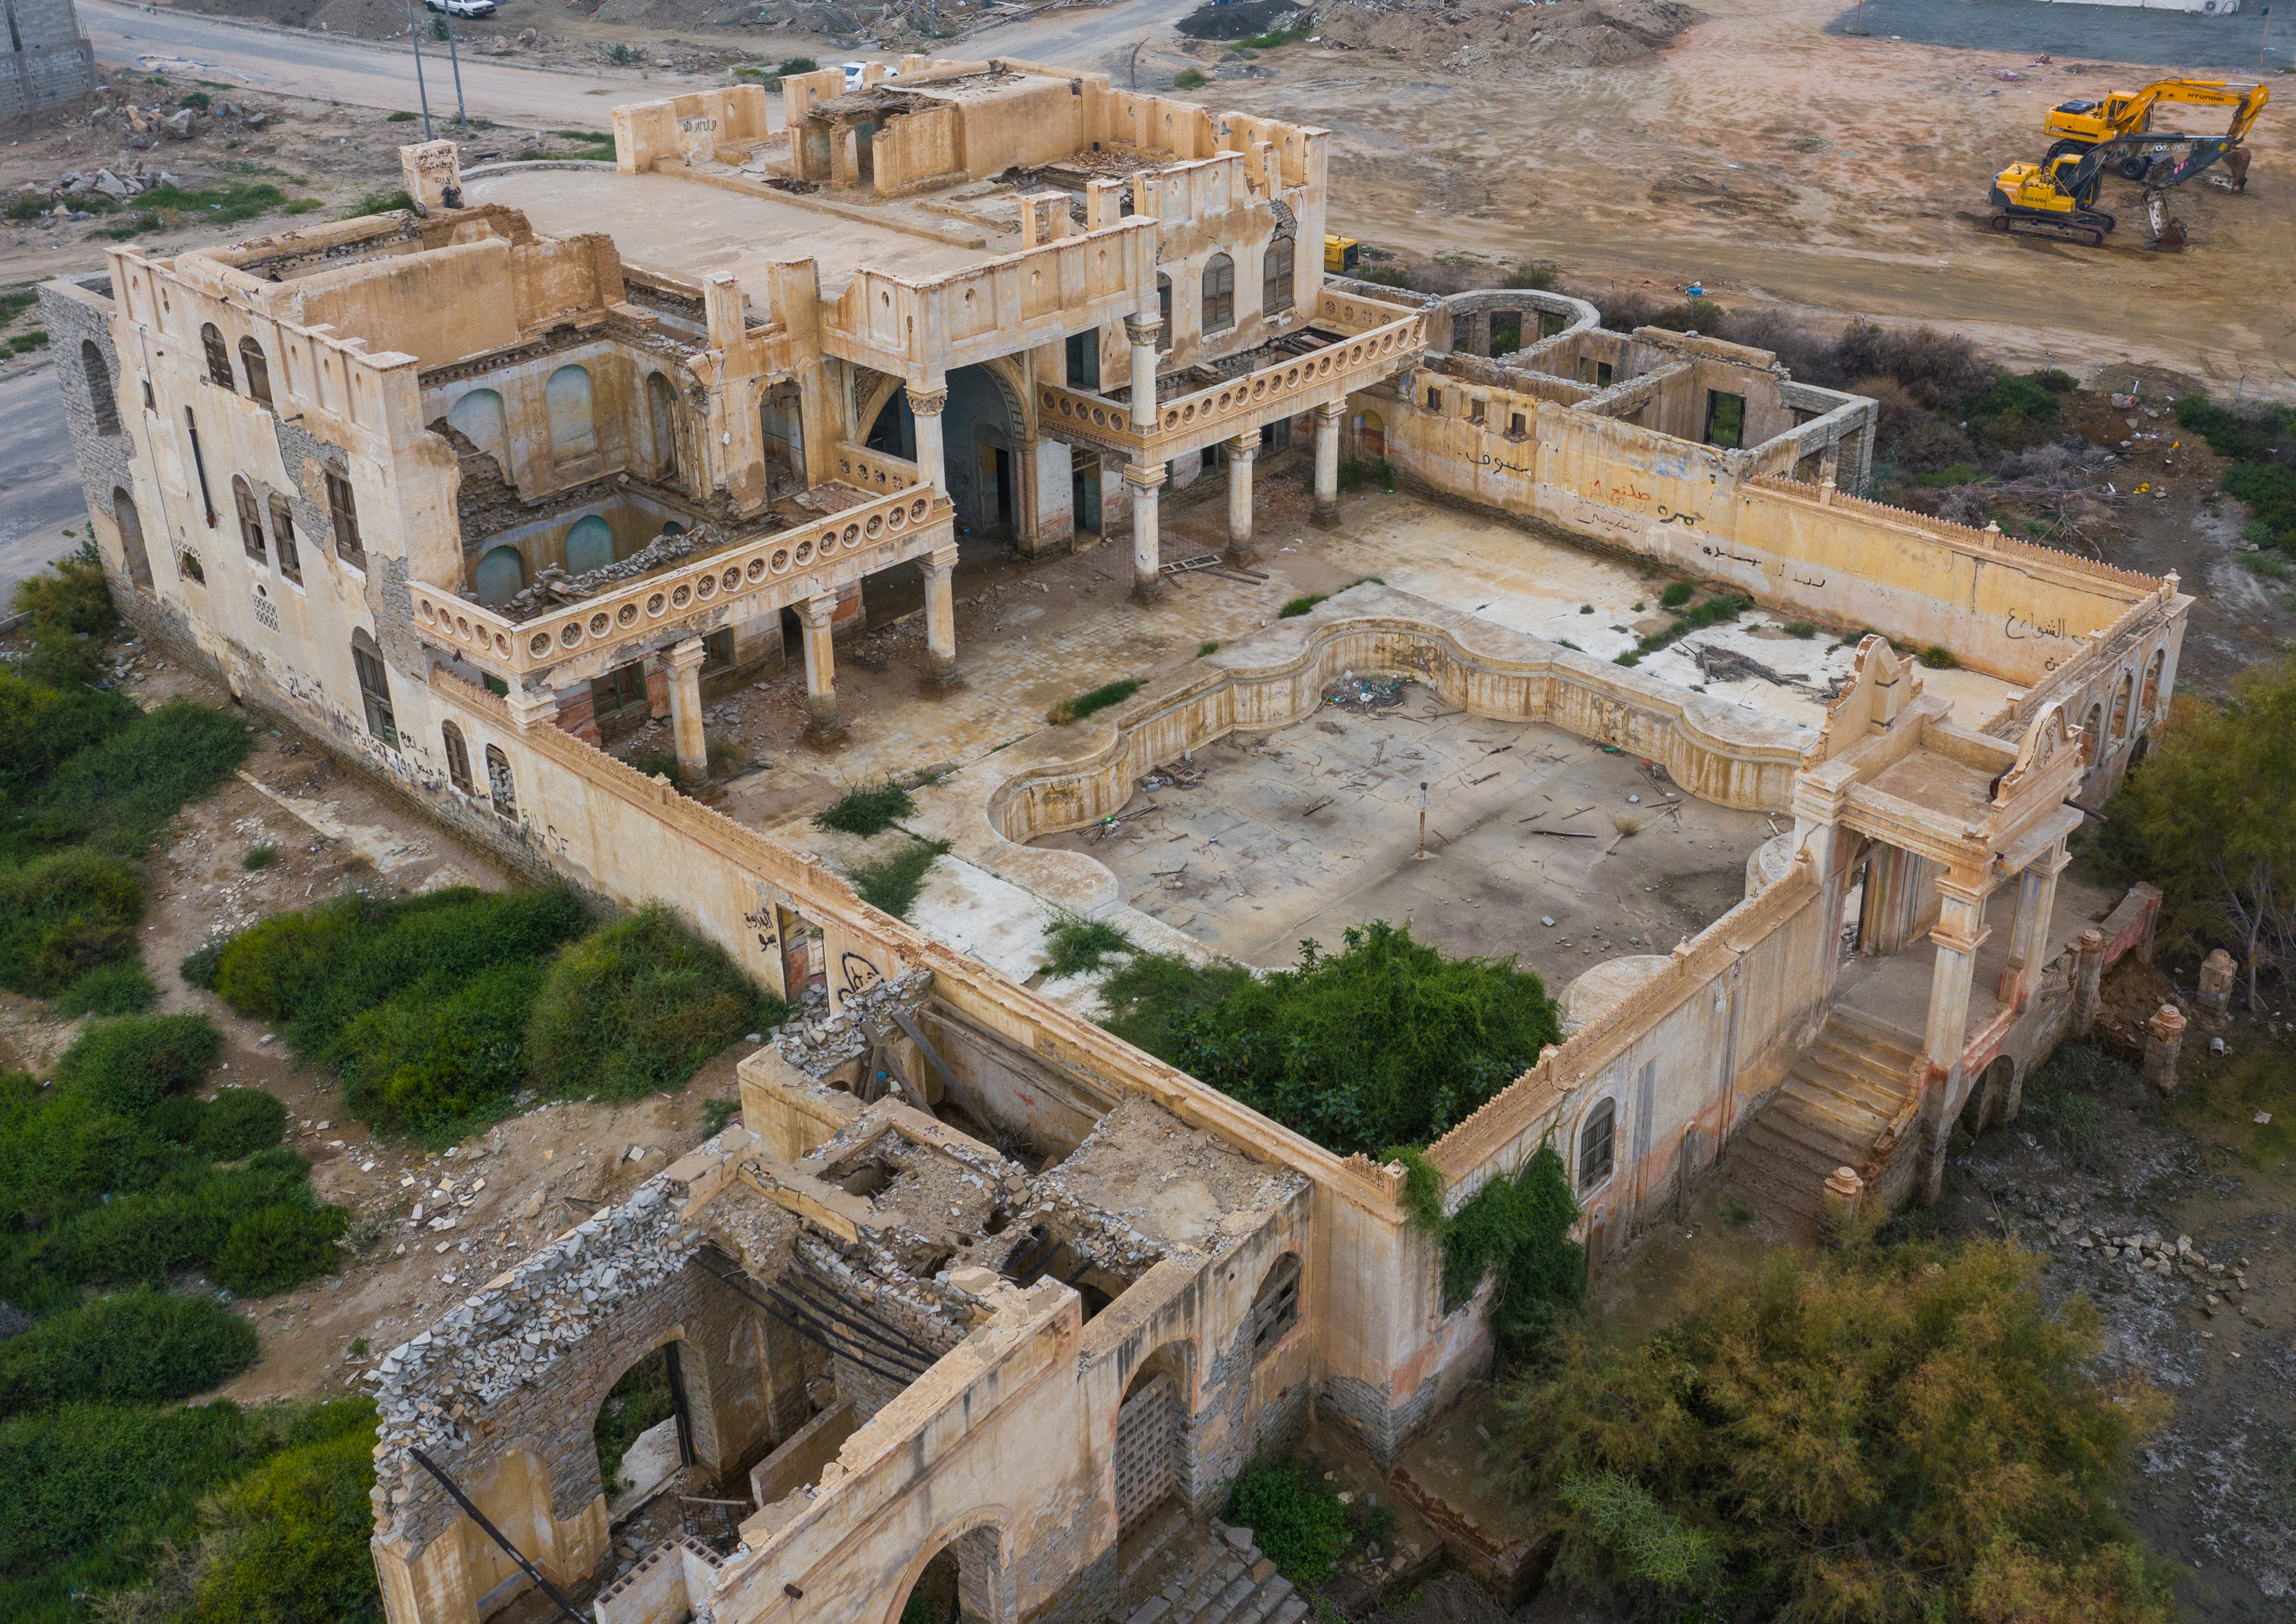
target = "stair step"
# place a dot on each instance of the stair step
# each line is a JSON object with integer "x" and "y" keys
{"x": 1882, "y": 1087}
{"x": 1784, "y": 1165}
{"x": 1892, "y": 1043}
{"x": 1856, "y": 1093}
{"x": 1826, "y": 1121}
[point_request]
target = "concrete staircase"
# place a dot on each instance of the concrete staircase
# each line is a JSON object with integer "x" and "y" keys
{"x": 1182, "y": 1569}
{"x": 1846, "y": 1087}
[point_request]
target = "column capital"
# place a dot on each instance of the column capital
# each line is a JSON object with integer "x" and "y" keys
{"x": 1141, "y": 330}
{"x": 529, "y": 709}
{"x": 1951, "y": 941}
{"x": 927, "y": 402}
{"x": 684, "y": 658}
{"x": 1244, "y": 447}
{"x": 1143, "y": 480}
{"x": 1331, "y": 411}
{"x": 819, "y": 611}
{"x": 941, "y": 561}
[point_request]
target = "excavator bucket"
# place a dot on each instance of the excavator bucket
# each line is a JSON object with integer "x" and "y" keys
{"x": 2208, "y": 151}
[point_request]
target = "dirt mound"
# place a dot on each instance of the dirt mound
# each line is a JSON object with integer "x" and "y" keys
{"x": 1241, "y": 21}
{"x": 1490, "y": 38}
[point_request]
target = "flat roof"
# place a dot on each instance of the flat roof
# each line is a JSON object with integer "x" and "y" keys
{"x": 691, "y": 227}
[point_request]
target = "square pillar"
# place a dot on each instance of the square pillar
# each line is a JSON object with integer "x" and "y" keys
{"x": 1241, "y": 452}
{"x": 821, "y": 669}
{"x": 1147, "y": 544}
{"x": 940, "y": 615}
{"x": 926, "y": 405}
{"x": 1326, "y": 515}
{"x": 2029, "y": 941}
{"x": 1959, "y": 932}
{"x": 1140, "y": 331}
{"x": 685, "y": 663}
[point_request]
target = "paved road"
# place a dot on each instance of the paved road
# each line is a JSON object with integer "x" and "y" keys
{"x": 1094, "y": 38}
{"x": 2233, "y": 47}
{"x": 39, "y": 481}
{"x": 293, "y": 62}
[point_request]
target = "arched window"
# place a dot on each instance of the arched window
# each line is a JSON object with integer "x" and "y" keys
{"x": 500, "y": 789}
{"x": 662, "y": 416}
{"x": 374, "y": 688}
{"x": 1275, "y": 1307}
{"x": 500, "y": 576}
{"x": 1595, "y": 1145}
{"x": 573, "y": 431}
{"x": 343, "y": 511}
{"x": 2151, "y": 698}
{"x": 479, "y": 415}
{"x": 102, "y": 402}
{"x": 1275, "y": 277}
{"x": 1219, "y": 293}
{"x": 219, "y": 357}
{"x": 257, "y": 370}
{"x": 458, "y": 759}
{"x": 2092, "y": 735}
{"x": 250, "y": 518}
{"x": 131, "y": 536}
{"x": 187, "y": 564}
{"x": 589, "y": 546}
{"x": 1164, "y": 310}
{"x": 2120, "y": 706}
{"x": 282, "y": 540}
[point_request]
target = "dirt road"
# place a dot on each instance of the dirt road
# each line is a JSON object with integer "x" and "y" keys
{"x": 293, "y": 62}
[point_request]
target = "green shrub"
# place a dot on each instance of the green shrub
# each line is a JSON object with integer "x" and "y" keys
{"x": 119, "y": 793}
{"x": 127, "y": 1066}
{"x": 1516, "y": 1232}
{"x": 1952, "y": 473}
{"x": 1386, "y": 1042}
{"x": 41, "y": 727}
{"x": 1386, "y": 275}
{"x": 1677, "y": 593}
{"x": 63, "y": 914}
{"x": 1297, "y": 1520}
{"x": 639, "y": 1006}
{"x": 75, "y": 600}
{"x": 2027, "y": 397}
{"x": 142, "y": 1346}
{"x": 1938, "y": 658}
{"x": 1076, "y": 945}
{"x": 1188, "y": 79}
{"x": 238, "y": 1122}
{"x": 1714, "y": 611}
{"x": 1296, "y": 607}
{"x": 867, "y": 811}
{"x": 289, "y": 1543}
{"x": 442, "y": 1053}
{"x": 893, "y": 884}
{"x": 2269, "y": 489}
{"x": 2237, "y": 436}
{"x": 1804, "y": 630}
{"x": 1206, "y": 650}
{"x": 798, "y": 64}
{"x": 121, "y": 987}
{"x": 401, "y": 117}
{"x": 378, "y": 202}
{"x": 1099, "y": 699}
{"x": 1540, "y": 275}
{"x": 258, "y": 857}
{"x": 1893, "y": 1434}
{"x": 278, "y": 1246}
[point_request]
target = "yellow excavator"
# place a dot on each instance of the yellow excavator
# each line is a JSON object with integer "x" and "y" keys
{"x": 2058, "y": 195}
{"x": 2123, "y": 118}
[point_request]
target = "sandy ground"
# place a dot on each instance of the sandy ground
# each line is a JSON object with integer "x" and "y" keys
{"x": 507, "y": 1191}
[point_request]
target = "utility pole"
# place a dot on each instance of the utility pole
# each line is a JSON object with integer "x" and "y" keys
{"x": 1423, "y": 823}
{"x": 2260, "y": 49}
{"x": 414, "y": 38}
{"x": 461, "y": 113}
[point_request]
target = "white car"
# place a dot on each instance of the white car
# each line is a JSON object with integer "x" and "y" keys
{"x": 463, "y": 8}
{"x": 853, "y": 72}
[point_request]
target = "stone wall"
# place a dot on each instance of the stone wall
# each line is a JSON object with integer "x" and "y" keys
{"x": 49, "y": 61}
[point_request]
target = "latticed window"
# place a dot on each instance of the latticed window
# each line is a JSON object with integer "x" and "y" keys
{"x": 219, "y": 357}
{"x": 499, "y": 788}
{"x": 374, "y": 688}
{"x": 259, "y": 371}
{"x": 1219, "y": 293}
{"x": 251, "y": 519}
{"x": 1595, "y": 1144}
{"x": 1275, "y": 278}
{"x": 1276, "y": 1308}
{"x": 458, "y": 759}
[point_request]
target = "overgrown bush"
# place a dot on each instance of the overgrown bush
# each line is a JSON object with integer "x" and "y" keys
{"x": 289, "y": 1543}
{"x": 141, "y": 1346}
{"x": 119, "y": 792}
{"x": 638, "y": 1005}
{"x": 1097, "y": 699}
{"x": 121, "y": 988}
{"x": 1515, "y": 1233}
{"x": 127, "y": 1066}
{"x": 892, "y": 883}
{"x": 1386, "y": 1042}
{"x": 441, "y": 1053}
{"x": 867, "y": 811}
{"x": 1077, "y": 946}
{"x": 74, "y": 600}
{"x": 1677, "y": 593}
{"x": 273, "y": 1246}
{"x": 1894, "y": 1435}
{"x": 639, "y": 1399}
{"x": 63, "y": 915}
{"x": 238, "y": 1122}
{"x": 1296, "y": 1520}
{"x": 42, "y": 727}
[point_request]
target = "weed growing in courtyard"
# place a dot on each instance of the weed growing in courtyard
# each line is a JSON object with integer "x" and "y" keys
{"x": 1188, "y": 79}
{"x": 1677, "y": 593}
{"x": 1938, "y": 658}
{"x": 1296, "y": 607}
{"x": 1295, "y": 1518}
{"x": 892, "y": 884}
{"x": 1207, "y": 650}
{"x": 1076, "y": 945}
{"x": 1100, "y": 699}
{"x": 867, "y": 811}
{"x": 258, "y": 857}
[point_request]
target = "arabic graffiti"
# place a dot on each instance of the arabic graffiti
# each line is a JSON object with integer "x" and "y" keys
{"x": 1723, "y": 551}
{"x": 1488, "y": 461}
{"x": 2023, "y": 629}
{"x": 1667, "y": 515}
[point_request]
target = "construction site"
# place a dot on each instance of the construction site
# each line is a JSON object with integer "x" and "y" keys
{"x": 1244, "y": 481}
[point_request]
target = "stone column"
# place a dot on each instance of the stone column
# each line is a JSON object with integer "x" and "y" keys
{"x": 2088, "y": 971}
{"x": 1140, "y": 331}
{"x": 940, "y": 615}
{"x": 1839, "y": 1200}
{"x": 684, "y": 662}
{"x": 926, "y": 406}
{"x": 1327, "y": 464}
{"x": 2028, "y": 940}
{"x": 820, "y": 669}
{"x": 1960, "y": 931}
{"x": 1147, "y": 546}
{"x": 2164, "y": 1035}
{"x": 1241, "y": 452}
{"x": 1478, "y": 333}
{"x": 2216, "y": 972}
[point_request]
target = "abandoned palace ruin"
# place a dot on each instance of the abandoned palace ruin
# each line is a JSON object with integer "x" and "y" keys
{"x": 971, "y": 1281}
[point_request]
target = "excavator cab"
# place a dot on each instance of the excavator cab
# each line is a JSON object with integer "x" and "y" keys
{"x": 2122, "y": 115}
{"x": 2056, "y": 195}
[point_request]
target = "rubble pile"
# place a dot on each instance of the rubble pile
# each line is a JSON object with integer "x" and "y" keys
{"x": 819, "y": 1044}
{"x": 1496, "y": 39}
{"x": 553, "y": 586}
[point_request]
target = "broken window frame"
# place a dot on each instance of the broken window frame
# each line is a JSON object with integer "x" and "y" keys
{"x": 218, "y": 356}
{"x": 458, "y": 759}
{"x": 258, "y": 368}
{"x": 502, "y": 788}
{"x": 1276, "y": 275}
{"x": 1276, "y": 1305}
{"x": 1598, "y": 1136}
{"x": 251, "y": 519}
{"x": 282, "y": 539}
{"x": 342, "y": 507}
{"x": 374, "y": 688}
{"x": 1218, "y": 293}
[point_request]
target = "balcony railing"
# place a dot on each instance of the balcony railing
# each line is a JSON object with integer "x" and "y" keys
{"x": 1237, "y": 406}
{"x": 660, "y": 602}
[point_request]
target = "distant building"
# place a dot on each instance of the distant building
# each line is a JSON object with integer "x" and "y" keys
{"x": 49, "y": 61}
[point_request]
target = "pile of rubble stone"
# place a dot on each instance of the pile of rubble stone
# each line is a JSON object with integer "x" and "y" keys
{"x": 817, "y": 1044}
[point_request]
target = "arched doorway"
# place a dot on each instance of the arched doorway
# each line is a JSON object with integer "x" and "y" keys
{"x": 479, "y": 418}
{"x": 500, "y": 576}
{"x": 573, "y": 429}
{"x": 131, "y": 536}
{"x": 984, "y": 435}
{"x": 1151, "y": 1433}
{"x": 643, "y": 1431}
{"x": 1371, "y": 436}
{"x": 661, "y": 418}
{"x": 1987, "y": 1101}
{"x": 589, "y": 546}
{"x": 893, "y": 430}
{"x": 963, "y": 1580}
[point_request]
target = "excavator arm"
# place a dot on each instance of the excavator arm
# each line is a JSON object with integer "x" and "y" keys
{"x": 2246, "y": 101}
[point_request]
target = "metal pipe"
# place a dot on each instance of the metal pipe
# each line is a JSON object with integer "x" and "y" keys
{"x": 899, "y": 1344}
{"x": 414, "y": 38}
{"x": 496, "y": 1534}
{"x": 806, "y": 1332}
